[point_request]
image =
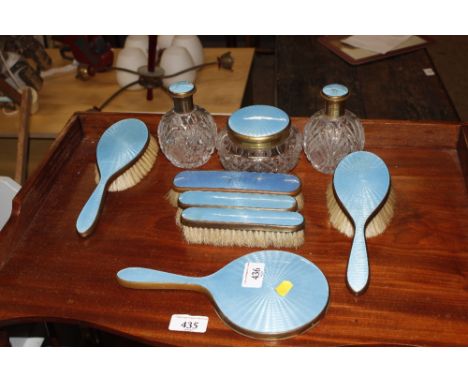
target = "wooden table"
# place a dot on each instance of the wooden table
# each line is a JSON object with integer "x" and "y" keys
{"x": 418, "y": 291}
{"x": 393, "y": 88}
{"x": 219, "y": 91}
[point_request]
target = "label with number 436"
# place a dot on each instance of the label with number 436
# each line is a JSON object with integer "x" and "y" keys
{"x": 253, "y": 275}
{"x": 187, "y": 323}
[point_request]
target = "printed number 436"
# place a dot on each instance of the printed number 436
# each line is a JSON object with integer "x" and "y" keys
{"x": 256, "y": 272}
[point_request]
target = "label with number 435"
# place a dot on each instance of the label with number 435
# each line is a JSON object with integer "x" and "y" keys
{"x": 187, "y": 323}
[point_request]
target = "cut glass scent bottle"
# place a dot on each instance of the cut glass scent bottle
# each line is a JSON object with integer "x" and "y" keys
{"x": 333, "y": 132}
{"x": 187, "y": 133}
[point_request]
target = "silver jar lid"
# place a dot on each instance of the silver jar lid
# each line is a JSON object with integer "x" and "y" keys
{"x": 259, "y": 126}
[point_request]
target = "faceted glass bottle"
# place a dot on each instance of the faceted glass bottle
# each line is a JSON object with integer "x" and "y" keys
{"x": 187, "y": 133}
{"x": 333, "y": 132}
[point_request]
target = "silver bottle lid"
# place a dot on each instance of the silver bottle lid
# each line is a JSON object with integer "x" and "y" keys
{"x": 182, "y": 94}
{"x": 335, "y": 90}
{"x": 334, "y": 96}
{"x": 182, "y": 88}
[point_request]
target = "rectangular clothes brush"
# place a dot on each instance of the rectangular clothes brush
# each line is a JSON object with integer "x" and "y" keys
{"x": 236, "y": 181}
{"x": 242, "y": 227}
{"x": 248, "y": 200}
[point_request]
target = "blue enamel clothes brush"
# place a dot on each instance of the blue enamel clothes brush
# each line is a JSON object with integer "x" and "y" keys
{"x": 242, "y": 227}
{"x": 263, "y": 295}
{"x": 236, "y": 181}
{"x": 125, "y": 146}
{"x": 234, "y": 200}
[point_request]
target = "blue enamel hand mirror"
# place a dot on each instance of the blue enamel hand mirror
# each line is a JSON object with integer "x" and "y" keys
{"x": 265, "y": 294}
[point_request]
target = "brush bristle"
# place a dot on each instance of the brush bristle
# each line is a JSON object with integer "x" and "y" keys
{"x": 173, "y": 197}
{"x": 137, "y": 171}
{"x": 376, "y": 226}
{"x": 177, "y": 216}
{"x": 242, "y": 238}
{"x": 300, "y": 201}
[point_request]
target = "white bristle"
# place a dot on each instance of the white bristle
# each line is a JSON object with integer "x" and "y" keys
{"x": 300, "y": 201}
{"x": 137, "y": 171}
{"x": 177, "y": 216}
{"x": 172, "y": 197}
{"x": 243, "y": 238}
{"x": 376, "y": 226}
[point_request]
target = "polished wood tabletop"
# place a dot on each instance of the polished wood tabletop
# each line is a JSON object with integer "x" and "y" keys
{"x": 393, "y": 88}
{"x": 418, "y": 291}
{"x": 218, "y": 90}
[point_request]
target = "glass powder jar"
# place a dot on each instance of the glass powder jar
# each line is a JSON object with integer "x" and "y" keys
{"x": 187, "y": 133}
{"x": 333, "y": 132}
{"x": 259, "y": 138}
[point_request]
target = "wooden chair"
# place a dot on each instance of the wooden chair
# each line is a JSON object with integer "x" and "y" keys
{"x": 10, "y": 187}
{"x": 24, "y": 100}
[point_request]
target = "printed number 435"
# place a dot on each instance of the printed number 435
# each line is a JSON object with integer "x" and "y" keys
{"x": 189, "y": 325}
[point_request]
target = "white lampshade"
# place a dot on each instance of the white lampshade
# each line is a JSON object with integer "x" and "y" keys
{"x": 175, "y": 59}
{"x": 193, "y": 45}
{"x": 165, "y": 41}
{"x": 132, "y": 59}
{"x": 139, "y": 41}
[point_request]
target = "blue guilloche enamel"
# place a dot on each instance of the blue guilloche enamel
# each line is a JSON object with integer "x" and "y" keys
{"x": 258, "y": 121}
{"x": 237, "y": 200}
{"x": 256, "y": 310}
{"x": 361, "y": 181}
{"x": 243, "y": 216}
{"x": 120, "y": 144}
{"x": 238, "y": 180}
{"x": 117, "y": 148}
{"x": 335, "y": 90}
{"x": 181, "y": 87}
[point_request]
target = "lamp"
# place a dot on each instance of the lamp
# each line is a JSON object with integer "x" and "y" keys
{"x": 163, "y": 70}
